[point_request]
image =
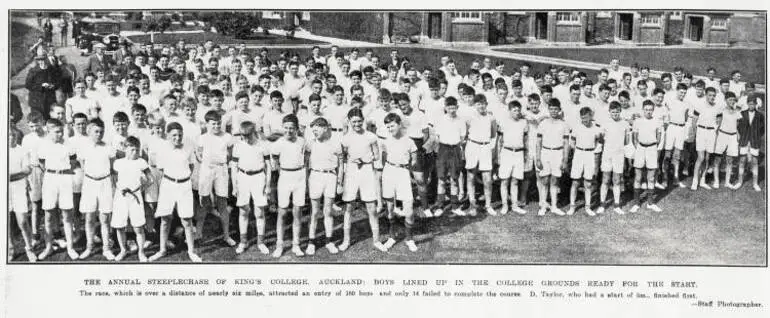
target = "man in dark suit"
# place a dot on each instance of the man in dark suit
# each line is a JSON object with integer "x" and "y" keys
{"x": 98, "y": 61}
{"x": 751, "y": 129}
{"x": 42, "y": 82}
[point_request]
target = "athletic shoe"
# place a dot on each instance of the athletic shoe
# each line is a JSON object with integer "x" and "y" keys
{"x": 438, "y": 212}
{"x": 310, "y": 249}
{"x": 660, "y": 186}
{"x": 590, "y": 212}
{"x": 644, "y": 186}
{"x": 600, "y": 210}
{"x": 757, "y": 188}
{"x": 654, "y": 208}
{"x": 61, "y": 243}
{"x": 278, "y": 252}
{"x": 472, "y": 211}
{"x": 331, "y": 248}
{"x": 694, "y": 186}
{"x": 240, "y": 249}
{"x": 518, "y": 210}
{"x": 344, "y": 246}
{"x": 107, "y": 254}
{"x": 31, "y": 257}
{"x": 618, "y": 210}
{"x": 427, "y": 213}
{"x": 411, "y": 245}
{"x": 147, "y": 243}
{"x": 379, "y": 246}
{"x": 72, "y": 254}
{"x": 542, "y": 210}
{"x": 458, "y": 212}
{"x": 634, "y": 208}
{"x": 491, "y": 211}
{"x": 297, "y": 251}
{"x": 556, "y": 211}
{"x": 715, "y": 185}
{"x": 571, "y": 210}
{"x": 132, "y": 247}
{"x": 705, "y": 186}
{"x": 194, "y": 257}
{"x": 263, "y": 249}
{"x": 389, "y": 243}
{"x": 682, "y": 185}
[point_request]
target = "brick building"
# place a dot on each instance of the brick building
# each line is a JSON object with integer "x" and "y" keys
{"x": 642, "y": 28}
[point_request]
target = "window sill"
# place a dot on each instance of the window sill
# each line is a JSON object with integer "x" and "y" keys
{"x": 467, "y": 21}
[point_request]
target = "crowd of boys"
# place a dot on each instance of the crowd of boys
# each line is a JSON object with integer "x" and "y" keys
{"x": 204, "y": 129}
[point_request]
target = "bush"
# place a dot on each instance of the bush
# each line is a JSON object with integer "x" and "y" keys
{"x": 156, "y": 24}
{"x": 237, "y": 24}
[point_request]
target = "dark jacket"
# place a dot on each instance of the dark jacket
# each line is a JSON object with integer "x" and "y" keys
{"x": 41, "y": 98}
{"x": 95, "y": 65}
{"x": 751, "y": 132}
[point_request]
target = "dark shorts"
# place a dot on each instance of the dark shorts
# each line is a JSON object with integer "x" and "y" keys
{"x": 419, "y": 165}
{"x": 449, "y": 161}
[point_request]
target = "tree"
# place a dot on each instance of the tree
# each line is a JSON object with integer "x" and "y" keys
{"x": 238, "y": 24}
{"x": 156, "y": 24}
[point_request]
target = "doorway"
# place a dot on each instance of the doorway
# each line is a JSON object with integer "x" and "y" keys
{"x": 541, "y": 25}
{"x": 625, "y": 26}
{"x": 434, "y": 25}
{"x": 696, "y": 28}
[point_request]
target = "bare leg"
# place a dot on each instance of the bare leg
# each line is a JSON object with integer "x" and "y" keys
{"x": 190, "y": 239}
{"x": 224, "y": 218}
{"x": 165, "y": 228}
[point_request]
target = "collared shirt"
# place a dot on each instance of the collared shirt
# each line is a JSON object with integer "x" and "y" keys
{"x": 250, "y": 157}
{"x": 130, "y": 173}
{"x": 176, "y": 162}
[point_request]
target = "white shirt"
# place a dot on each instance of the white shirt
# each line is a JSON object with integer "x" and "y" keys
{"x": 359, "y": 146}
{"x": 96, "y": 159}
{"x": 324, "y": 155}
{"x": 214, "y": 148}
{"x": 398, "y": 149}
{"x": 291, "y": 155}
{"x": 176, "y": 162}
{"x": 450, "y": 131}
{"x": 250, "y": 157}
{"x": 85, "y": 105}
{"x": 56, "y": 155}
{"x": 130, "y": 173}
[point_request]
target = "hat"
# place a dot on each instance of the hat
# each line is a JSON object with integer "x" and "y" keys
{"x": 99, "y": 46}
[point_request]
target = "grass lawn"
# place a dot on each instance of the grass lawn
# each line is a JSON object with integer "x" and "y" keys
{"x": 22, "y": 38}
{"x": 717, "y": 227}
{"x": 751, "y": 62}
{"x": 271, "y": 39}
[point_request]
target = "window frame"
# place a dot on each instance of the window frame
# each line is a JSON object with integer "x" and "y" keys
{"x": 655, "y": 18}
{"x": 467, "y": 17}
{"x": 574, "y": 18}
{"x": 273, "y": 15}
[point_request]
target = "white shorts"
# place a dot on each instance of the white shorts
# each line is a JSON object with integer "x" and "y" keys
{"x": 97, "y": 195}
{"x": 613, "y": 161}
{"x": 173, "y": 194}
{"x": 646, "y": 157}
{"x": 748, "y": 149}
{"x": 726, "y": 144}
{"x": 675, "y": 136}
{"x": 583, "y": 164}
{"x": 396, "y": 183}
{"x": 705, "y": 140}
{"x": 57, "y": 191}
{"x": 151, "y": 191}
{"x": 359, "y": 181}
{"x": 35, "y": 181}
{"x": 77, "y": 181}
{"x": 322, "y": 184}
{"x": 292, "y": 185}
{"x": 478, "y": 156}
{"x": 17, "y": 196}
{"x": 251, "y": 187}
{"x": 128, "y": 208}
{"x": 212, "y": 176}
{"x": 511, "y": 164}
{"x": 551, "y": 160}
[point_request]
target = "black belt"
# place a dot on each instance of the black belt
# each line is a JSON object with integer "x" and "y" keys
{"x": 383, "y": 138}
{"x": 336, "y": 129}
{"x": 555, "y": 148}
{"x": 479, "y": 142}
{"x": 251, "y": 172}
{"x": 513, "y": 149}
{"x": 126, "y": 191}
{"x": 324, "y": 171}
{"x": 397, "y": 165}
{"x": 677, "y": 124}
{"x": 292, "y": 169}
{"x": 727, "y": 133}
{"x": 448, "y": 145}
{"x": 183, "y": 180}
{"x": 65, "y": 171}
{"x": 648, "y": 145}
{"x": 707, "y": 128}
{"x": 585, "y": 149}
{"x": 95, "y": 178}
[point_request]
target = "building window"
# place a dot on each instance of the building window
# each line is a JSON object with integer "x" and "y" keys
{"x": 568, "y": 17}
{"x": 675, "y": 15}
{"x": 650, "y": 19}
{"x": 305, "y": 15}
{"x": 271, "y": 15}
{"x": 719, "y": 23}
{"x": 466, "y": 16}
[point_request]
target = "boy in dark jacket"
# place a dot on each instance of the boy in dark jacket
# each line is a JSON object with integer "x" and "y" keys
{"x": 751, "y": 126}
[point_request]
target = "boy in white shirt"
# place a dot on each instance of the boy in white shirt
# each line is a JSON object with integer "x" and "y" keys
{"x": 133, "y": 174}
{"x": 615, "y": 133}
{"x": 31, "y": 144}
{"x": 325, "y": 180}
{"x": 482, "y": 131}
{"x": 289, "y": 155}
{"x": 512, "y": 147}
{"x": 586, "y": 137}
{"x": 18, "y": 170}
